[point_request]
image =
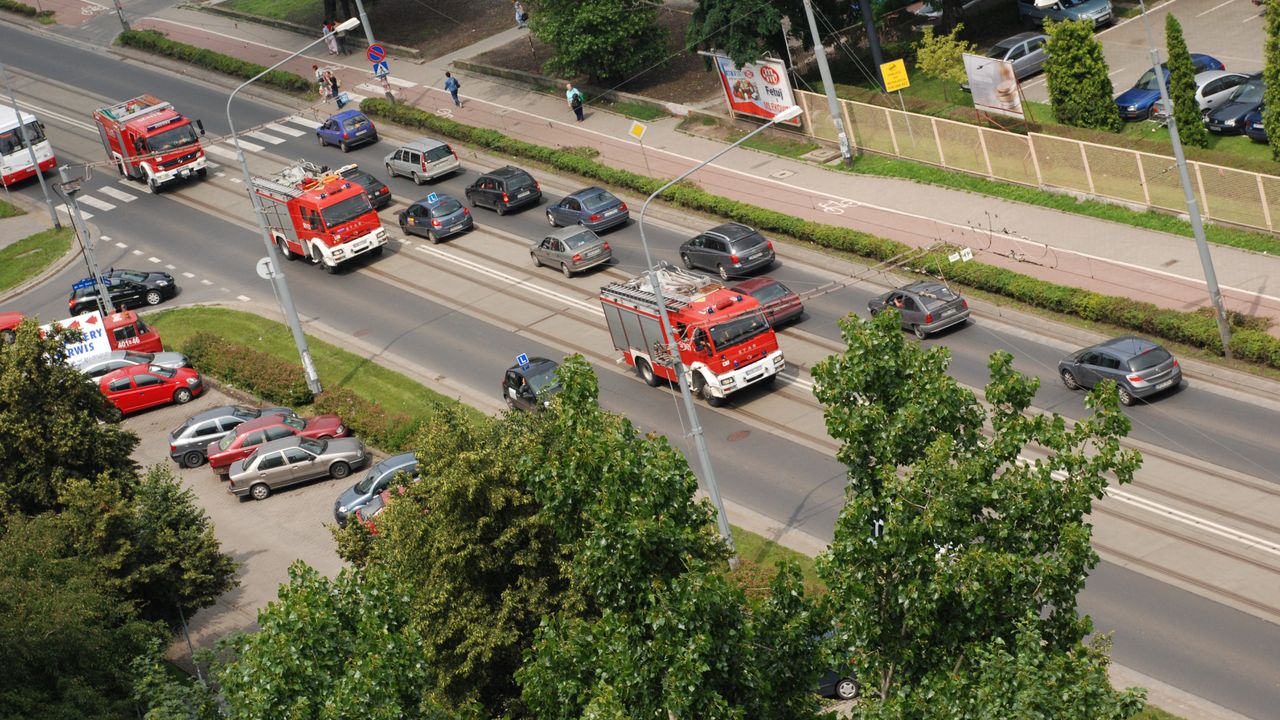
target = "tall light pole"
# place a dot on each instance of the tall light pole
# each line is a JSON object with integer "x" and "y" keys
{"x": 31, "y": 149}
{"x": 695, "y": 429}
{"x": 277, "y": 271}
{"x": 820, "y": 54}
{"x": 68, "y": 189}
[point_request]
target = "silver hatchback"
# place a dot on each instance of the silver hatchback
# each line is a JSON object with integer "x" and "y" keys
{"x": 292, "y": 460}
{"x": 1139, "y": 368}
{"x": 924, "y": 307}
{"x": 572, "y": 249}
{"x": 422, "y": 160}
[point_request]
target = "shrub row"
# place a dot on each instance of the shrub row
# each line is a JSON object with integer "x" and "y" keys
{"x": 154, "y": 41}
{"x": 282, "y": 382}
{"x": 24, "y": 9}
{"x": 1249, "y": 340}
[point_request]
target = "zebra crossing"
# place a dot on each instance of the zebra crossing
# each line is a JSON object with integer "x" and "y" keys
{"x": 109, "y": 197}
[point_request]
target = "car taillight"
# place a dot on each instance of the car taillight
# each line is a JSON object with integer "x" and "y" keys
{"x": 536, "y": 186}
{"x": 577, "y": 258}
{"x": 964, "y": 303}
{"x": 733, "y": 259}
{"x": 595, "y": 217}
{"x": 623, "y": 207}
{"x": 466, "y": 211}
{"x": 435, "y": 222}
{"x": 344, "y": 134}
{"x": 424, "y": 162}
{"x": 1175, "y": 362}
{"x": 455, "y": 155}
{"x": 1134, "y": 378}
{"x": 928, "y": 318}
{"x": 505, "y": 198}
{"x": 770, "y": 242}
{"x": 173, "y": 448}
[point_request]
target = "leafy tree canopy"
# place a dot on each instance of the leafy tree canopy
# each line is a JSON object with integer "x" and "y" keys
{"x": 743, "y": 31}
{"x": 603, "y": 39}
{"x": 942, "y": 56}
{"x": 1182, "y": 87}
{"x": 1271, "y": 76}
{"x": 1076, "y": 74}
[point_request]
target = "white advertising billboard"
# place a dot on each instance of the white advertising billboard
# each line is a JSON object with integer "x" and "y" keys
{"x": 994, "y": 86}
{"x": 95, "y": 340}
{"x": 760, "y": 89}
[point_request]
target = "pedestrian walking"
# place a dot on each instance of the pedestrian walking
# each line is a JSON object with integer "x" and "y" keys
{"x": 334, "y": 85}
{"x": 321, "y": 81}
{"x": 574, "y": 98}
{"x": 329, "y": 40}
{"x": 452, "y": 85}
{"x": 522, "y": 15}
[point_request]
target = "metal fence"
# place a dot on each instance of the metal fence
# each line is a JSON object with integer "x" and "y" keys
{"x": 1140, "y": 178}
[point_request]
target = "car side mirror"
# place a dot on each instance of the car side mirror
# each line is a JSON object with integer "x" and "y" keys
{"x": 311, "y": 459}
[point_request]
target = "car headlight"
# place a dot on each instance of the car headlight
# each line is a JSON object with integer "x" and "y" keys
{"x": 1230, "y": 123}
{"x": 162, "y": 283}
{"x": 342, "y": 509}
{"x": 193, "y": 381}
{"x": 341, "y": 429}
{"x": 1133, "y": 108}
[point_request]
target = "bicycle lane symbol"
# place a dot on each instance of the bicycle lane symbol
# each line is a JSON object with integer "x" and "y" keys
{"x": 837, "y": 207}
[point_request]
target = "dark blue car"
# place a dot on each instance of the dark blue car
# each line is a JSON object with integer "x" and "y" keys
{"x": 347, "y": 129}
{"x": 1135, "y": 103}
{"x": 1229, "y": 117}
{"x": 436, "y": 217}
{"x": 593, "y": 208}
{"x": 1253, "y": 126}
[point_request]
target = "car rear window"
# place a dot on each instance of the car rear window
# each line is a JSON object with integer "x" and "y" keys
{"x": 519, "y": 182}
{"x": 747, "y": 242}
{"x": 595, "y": 201}
{"x": 1000, "y": 51}
{"x": 1149, "y": 359}
{"x": 770, "y": 292}
{"x": 355, "y": 123}
{"x": 578, "y": 240}
{"x": 439, "y": 153}
{"x": 445, "y": 207}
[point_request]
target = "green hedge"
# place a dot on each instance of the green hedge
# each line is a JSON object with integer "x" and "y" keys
{"x": 25, "y": 9}
{"x": 154, "y": 41}
{"x": 367, "y": 420}
{"x": 1249, "y": 339}
{"x": 248, "y": 369}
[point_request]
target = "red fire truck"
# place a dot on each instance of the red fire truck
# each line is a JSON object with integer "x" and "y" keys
{"x": 724, "y": 341}
{"x": 318, "y": 215}
{"x": 102, "y": 334}
{"x": 150, "y": 141}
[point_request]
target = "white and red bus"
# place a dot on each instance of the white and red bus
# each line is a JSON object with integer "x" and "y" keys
{"x": 15, "y": 159}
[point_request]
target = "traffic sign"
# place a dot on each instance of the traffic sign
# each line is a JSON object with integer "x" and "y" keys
{"x": 380, "y": 69}
{"x": 432, "y": 197}
{"x": 895, "y": 75}
{"x": 265, "y": 270}
{"x": 85, "y": 283}
{"x": 637, "y": 130}
{"x": 376, "y": 54}
{"x": 522, "y": 359}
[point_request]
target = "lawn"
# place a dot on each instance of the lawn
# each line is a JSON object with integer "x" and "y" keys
{"x": 8, "y": 210}
{"x": 303, "y": 12}
{"x": 26, "y": 258}
{"x": 767, "y": 553}
{"x": 396, "y": 393}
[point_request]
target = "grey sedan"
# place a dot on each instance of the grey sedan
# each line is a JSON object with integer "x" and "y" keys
{"x": 281, "y": 463}
{"x": 571, "y": 249}
{"x": 116, "y": 359}
{"x": 731, "y": 250}
{"x": 189, "y": 444}
{"x": 924, "y": 307}
{"x": 593, "y": 207}
{"x": 372, "y": 484}
{"x": 1139, "y": 368}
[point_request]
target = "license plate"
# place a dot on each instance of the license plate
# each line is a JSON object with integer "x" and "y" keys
{"x": 610, "y": 213}
{"x": 1163, "y": 385}
{"x": 456, "y": 227}
{"x": 593, "y": 253}
{"x": 756, "y": 256}
{"x": 523, "y": 194}
{"x": 184, "y": 172}
{"x": 949, "y": 312}
{"x": 361, "y": 132}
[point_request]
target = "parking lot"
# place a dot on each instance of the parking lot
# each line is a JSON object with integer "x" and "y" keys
{"x": 264, "y": 537}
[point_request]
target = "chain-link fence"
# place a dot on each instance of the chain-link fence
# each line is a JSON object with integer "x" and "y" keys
{"x": 1225, "y": 194}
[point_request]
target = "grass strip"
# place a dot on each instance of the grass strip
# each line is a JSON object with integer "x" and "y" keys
{"x": 29, "y": 256}
{"x": 8, "y": 210}
{"x": 154, "y": 41}
{"x": 44, "y": 17}
{"x": 766, "y": 553}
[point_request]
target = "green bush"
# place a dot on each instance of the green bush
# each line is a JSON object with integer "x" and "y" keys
{"x": 1193, "y": 328}
{"x": 367, "y": 420}
{"x": 251, "y": 370}
{"x": 154, "y": 41}
{"x": 25, "y": 9}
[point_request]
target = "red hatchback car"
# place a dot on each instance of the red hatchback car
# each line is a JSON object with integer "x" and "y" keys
{"x": 145, "y": 386}
{"x": 249, "y": 435}
{"x": 780, "y": 304}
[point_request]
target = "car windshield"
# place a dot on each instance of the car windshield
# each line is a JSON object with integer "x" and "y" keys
{"x": 738, "y": 330}
{"x": 598, "y": 200}
{"x": 577, "y": 240}
{"x": 295, "y": 423}
{"x": 181, "y": 429}
{"x": 1148, "y": 81}
{"x": 999, "y": 51}
{"x": 315, "y": 447}
{"x": 346, "y": 211}
{"x": 1072, "y": 3}
{"x": 11, "y": 140}
{"x": 543, "y": 379}
{"x": 439, "y": 152}
{"x": 446, "y": 206}
{"x": 162, "y": 371}
{"x": 172, "y": 139}
{"x": 770, "y": 292}
{"x": 1250, "y": 92}
{"x": 1149, "y": 359}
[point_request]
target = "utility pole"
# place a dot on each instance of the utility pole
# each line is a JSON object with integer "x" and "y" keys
{"x": 820, "y": 54}
{"x": 120, "y": 14}
{"x": 368, "y": 36}
{"x": 873, "y": 38}
{"x": 31, "y": 150}
{"x": 68, "y": 189}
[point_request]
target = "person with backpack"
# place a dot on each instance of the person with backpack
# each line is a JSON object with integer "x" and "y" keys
{"x": 574, "y": 97}
{"x": 522, "y": 15}
{"x": 452, "y": 85}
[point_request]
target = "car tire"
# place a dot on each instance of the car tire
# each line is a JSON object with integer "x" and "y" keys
{"x": 192, "y": 458}
{"x": 511, "y": 404}
{"x": 646, "y": 373}
{"x": 1069, "y": 379}
{"x": 847, "y": 689}
{"x": 919, "y": 331}
{"x": 534, "y": 258}
{"x": 501, "y": 208}
{"x": 564, "y": 268}
{"x": 182, "y": 396}
{"x": 390, "y": 173}
{"x": 339, "y": 470}
{"x": 320, "y": 139}
{"x": 285, "y": 251}
{"x": 344, "y": 146}
{"x": 1126, "y": 398}
{"x": 723, "y": 274}
{"x": 551, "y": 220}
{"x": 417, "y": 179}
{"x": 432, "y": 237}
{"x": 260, "y": 491}
{"x": 153, "y": 297}
{"x": 688, "y": 264}
{"x": 331, "y": 269}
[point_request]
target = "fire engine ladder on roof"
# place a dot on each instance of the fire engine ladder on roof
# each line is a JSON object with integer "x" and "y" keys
{"x": 679, "y": 287}
{"x": 121, "y": 113}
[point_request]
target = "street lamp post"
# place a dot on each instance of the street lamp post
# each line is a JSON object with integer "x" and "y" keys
{"x": 276, "y": 270}
{"x": 695, "y": 429}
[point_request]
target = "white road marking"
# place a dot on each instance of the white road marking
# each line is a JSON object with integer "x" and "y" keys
{"x": 356, "y": 98}
{"x": 1215, "y": 7}
{"x": 188, "y": 275}
{"x": 242, "y": 298}
{"x": 251, "y": 147}
{"x": 221, "y": 151}
{"x": 154, "y": 259}
{"x": 369, "y": 87}
{"x": 138, "y": 252}
{"x": 308, "y": 123}
{"x": 120, "y": 195}
{"x": 121, "y": 245}
{"x": 1213, "y": 528}
{"x": 206, "y": 282}
{"x": 219, "y": 174}
{"x": 401, "y": 83}
{"x": 285, "y": 129}
{"x": 264, "y": 137}
{"x": 170, "y": 267}
{"x": 94, "y": 202}
{"x": 65, "y": 211}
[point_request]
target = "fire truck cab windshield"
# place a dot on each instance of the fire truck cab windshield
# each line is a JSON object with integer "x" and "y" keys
{"x": 171, "y": 139}
{"x": 346, "y": 211}
{"x": 738, "y": 330}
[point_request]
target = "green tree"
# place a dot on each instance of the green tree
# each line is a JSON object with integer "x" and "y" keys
{"x": 949, "y": 539}
{"x": 941, "y": 57}
{"x": 54, "y": 425}
{"x": 743, "y": 32}
{"x": 603, "y": 39}
{"x": 63, "y": 632}
{"x": 154, "y": 543}
{"x": 1076, "y": 73}
{"x": 651, "y": 626}
{"x": 1182, "y": 86}
{"x": 1271, "y": 77}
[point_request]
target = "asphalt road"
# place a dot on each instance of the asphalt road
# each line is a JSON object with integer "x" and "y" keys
{"x": 1154, "y": 623}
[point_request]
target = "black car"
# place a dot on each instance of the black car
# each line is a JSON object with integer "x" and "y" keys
{"x": 732, "y": 249}
{"x": 503, "y": 189}
{"x": 1229, "y": 117}
{"x": 127, "y": 288}
{"x": 377, "y": 191}
{"x": 530, "y": 386}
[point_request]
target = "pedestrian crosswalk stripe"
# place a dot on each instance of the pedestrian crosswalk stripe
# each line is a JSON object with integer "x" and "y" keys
{"x": 251, "y": 147}
{"x": 269, "y": 139}
{"x": 94, "y": 202}
{"x": 401, "y": 83}
{"x": 355, "y": 98}
{"x": 309, "y": 123}
{"x": 120, "y": 195}
{"x": 291, "y": 132}
{"x": 369, "y": 87}
{"x": 219, "y": 150}
{"x": 122, "y": 245}
{"x": 63, "y": 209}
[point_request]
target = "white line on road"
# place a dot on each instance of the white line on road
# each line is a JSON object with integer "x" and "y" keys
{"x": 1208, "y": 526}
{"x": 251, "y": 147}
{"x": 206, "y": 282}
{"x": 285, "y": 129}
{"x": 581, "y": 304}
{"x": 170, "y": 267}
{"x": 356, "y": 98}
{"x": 120, "y": 195}
{"x": 221, "y": 151}
{"x": 154, "y": 259}
{"x": 63, "y": 209}
{"x": 138, "y": 252}
{"x": 63, "y": 118}
{"x": 242, "y": 298}
{"x": 122, "y": 245}
{"x": 94, "y": 202}
{"x": 401, "y": 83}
{"x": 264, "y": 137}
{"x": 188, "y": 275}
{"x": 308, "y": 123}
{"x": 1215, "y": 7}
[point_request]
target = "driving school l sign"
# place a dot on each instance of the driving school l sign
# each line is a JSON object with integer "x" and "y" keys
{"x": 760, "y": 89}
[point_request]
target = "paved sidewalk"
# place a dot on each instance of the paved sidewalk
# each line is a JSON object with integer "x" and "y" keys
{"x": 1068, "y": 249}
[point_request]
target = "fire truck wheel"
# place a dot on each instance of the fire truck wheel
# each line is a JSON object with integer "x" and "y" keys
{"x": 152, "y": 185}
{"x": 700, "y": 386}
{"x": 331, "y": 269}
{"x": 646, "y": 373}
{"x": 565, "y": 269}
{"x": 120, "y": 166}
{"x": 202, "y": 173}
{"x": 285, "y": 251}
{"x": 534, "y": 257}
{"x": 377, "y": 252}
{"x": 685, "y": 259}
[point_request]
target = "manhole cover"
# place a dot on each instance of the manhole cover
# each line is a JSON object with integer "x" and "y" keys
{"x": 740, "y": 435}
{"x": 361, "y": 333}
{"x": 782, "y": 174}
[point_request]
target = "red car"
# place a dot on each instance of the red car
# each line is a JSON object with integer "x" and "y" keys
{"x": 780, "y": 304}
{"x": 145, "y": 386}
{"x": 249, "y": 435}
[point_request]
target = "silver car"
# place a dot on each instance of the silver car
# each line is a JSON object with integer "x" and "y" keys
{"x": 1033, "y": 14}
{"x": 372, "y": 484}
{"x": 281, "y": 463}
{"x": 116, "y": 359}
{"x": 572, "y": 249}
{"x": 1025, "y": 51}
{"x": 1213, "y": 87}
{"x": 189, "y": 444}
{"x": 1139, "y": 368}
{"x": 924, "y": 307}
{"x": 422, "y": 160}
